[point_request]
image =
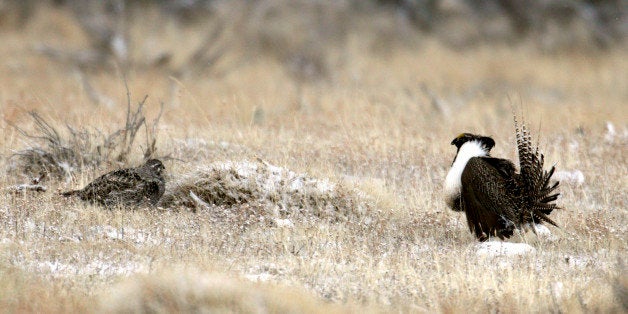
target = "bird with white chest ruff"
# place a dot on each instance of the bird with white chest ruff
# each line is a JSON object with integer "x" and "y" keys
{"x": 495, "y": 197}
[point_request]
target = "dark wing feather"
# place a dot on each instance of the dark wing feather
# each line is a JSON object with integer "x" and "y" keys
{"x": 112, "y": 181}
{"x": 111, "y": 187}
{"x": 153, "y": 189}
{"x": 489, "y": 207}
{"x": 505, "y": 167}
{"x": 129, "y": 187}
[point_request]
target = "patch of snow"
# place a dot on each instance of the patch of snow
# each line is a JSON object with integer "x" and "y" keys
{"x": 239, "y": 182}
{"x": 126, "y": 233}
{"x": 113, "y": 233}
{"x": 30, "y": 225}
{"x": 95, "y": 267}
{"x": 75, "y": 239}
{"x": 610, "y": 132}
{"x": 195, "y": 142}
{"x": 296, "y": 184}
{"x": 496, "y": 248}
{"x": 284, "y": 223}
{"x": 67, "y": 168}
{"x": 324, "y": 186}
{"x": 542, "y": 230}
{"x": 258, "y": 277}
{"x": 261, "y": 273}
{"x": 574, "y": 145}
{"x": 271, "y": 178}
{"x": 420, "y": 251}
{"x": 577, "y": 261}
{"x": 119, "y": 47}
{"x": 575, "y": 177}
{"x": 557, "y": 289}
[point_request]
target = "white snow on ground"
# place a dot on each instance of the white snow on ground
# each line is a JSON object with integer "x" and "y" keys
{"x": 542, "y": 230}
{"x": 127, "y": 233}
{"x": 497, "y": 248}
{"x": 283, "y": 223}
{"x": 232, "y": 183}
{"x": 610, "y": 132}
{"x": 557, "y": 289}
{"x": 259, "y": 277}
{"x": 579, "y": 261}
{"x": 98, "y": 265}
{"x": 273, "y": 179}
{"x": 94, "y": 267}
{"x": 263, "y": 273}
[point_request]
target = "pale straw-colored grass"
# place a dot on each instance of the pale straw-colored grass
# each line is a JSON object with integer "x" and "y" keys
{"x": 381, "y": 127}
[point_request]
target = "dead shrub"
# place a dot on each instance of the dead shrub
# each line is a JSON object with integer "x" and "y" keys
{"x": 52, "y": 154}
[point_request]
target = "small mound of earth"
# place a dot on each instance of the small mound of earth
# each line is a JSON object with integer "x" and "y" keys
{"x": 496, "y": 248}
{"x": 265, "y": 188}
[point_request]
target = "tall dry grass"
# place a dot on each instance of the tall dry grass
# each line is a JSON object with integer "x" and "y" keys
{"x": 380, "y": 124}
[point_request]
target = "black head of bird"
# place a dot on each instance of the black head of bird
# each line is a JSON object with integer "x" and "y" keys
{"x": 155, "y": 165}
{"x": 486, "y": 141}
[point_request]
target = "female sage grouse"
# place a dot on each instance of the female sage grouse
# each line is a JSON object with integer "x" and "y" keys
{"x": 139, "y": 186}
{"x": 495, "y": 198}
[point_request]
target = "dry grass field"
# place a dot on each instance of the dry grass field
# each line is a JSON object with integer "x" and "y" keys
{"x": 327, "y": 192}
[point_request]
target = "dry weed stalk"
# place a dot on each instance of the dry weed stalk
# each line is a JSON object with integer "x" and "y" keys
{"x": 53, "y": 155}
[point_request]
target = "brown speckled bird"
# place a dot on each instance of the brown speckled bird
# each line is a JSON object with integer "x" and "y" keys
{"x": 140, "y": 186}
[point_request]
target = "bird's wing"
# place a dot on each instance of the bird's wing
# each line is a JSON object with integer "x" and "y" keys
{"x": 485, "y": 195}
{"x": 112, "y": 182}
{"x": 152, "y": 189}
{"x": 505, "y": 167}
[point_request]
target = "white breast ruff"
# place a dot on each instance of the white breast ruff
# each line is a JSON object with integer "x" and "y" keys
{"x": 452, "y": 181}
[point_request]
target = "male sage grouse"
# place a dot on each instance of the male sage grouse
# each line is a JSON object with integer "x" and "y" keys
{"x": 139, "y": 186}
{"x": 495, "y": 198}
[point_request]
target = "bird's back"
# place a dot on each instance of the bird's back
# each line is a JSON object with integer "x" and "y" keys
{"x": 143, "y": 185}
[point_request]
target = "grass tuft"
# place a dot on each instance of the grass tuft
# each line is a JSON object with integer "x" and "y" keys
{"x": 189, "y": 290}
{"x": 59, "y": 155}
{"x": 276, "y": 192}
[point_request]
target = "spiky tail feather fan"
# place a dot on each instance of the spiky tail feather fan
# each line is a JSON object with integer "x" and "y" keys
{"x": 534, "y": 182}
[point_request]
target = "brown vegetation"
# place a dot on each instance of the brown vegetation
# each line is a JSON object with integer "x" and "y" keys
{"x": 375, "y": 125}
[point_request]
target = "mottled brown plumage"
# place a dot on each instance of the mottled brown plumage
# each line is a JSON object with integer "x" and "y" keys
{"x": 140, "y": 186}
{"x": 495, "y": 198}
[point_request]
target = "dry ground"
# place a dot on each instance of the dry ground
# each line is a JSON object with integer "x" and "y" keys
{"x": 382, "y": 125}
